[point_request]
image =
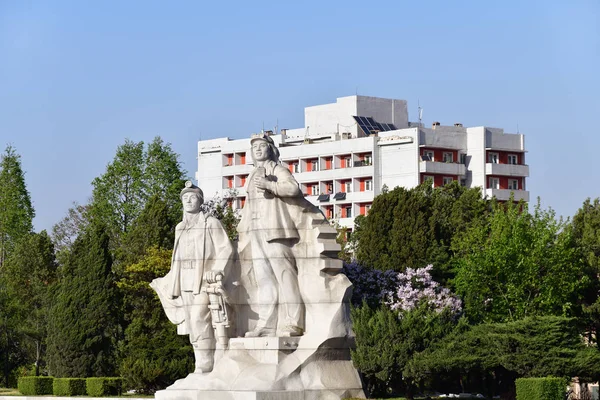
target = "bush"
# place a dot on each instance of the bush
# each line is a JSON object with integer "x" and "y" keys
{"x": 69, "y": 387}
{"x": 100, "y": 387}
{"x": 540, "y": 388}
{"x": 35, "y": 385}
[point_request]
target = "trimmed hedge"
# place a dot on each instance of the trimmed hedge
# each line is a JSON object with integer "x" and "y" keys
{"x": 100, "y": 387}
{"x": 35, "y": 385}
{"x": 541, "y": 388}
{"x": 69, "y": 387}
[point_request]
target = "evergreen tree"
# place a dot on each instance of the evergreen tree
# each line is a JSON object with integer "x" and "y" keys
{"x": 16, "y": 211}
{"x": 30, "y": 272}
{"x": 415, "y": 227}
{"x": 152, "y": 355}
{"x": 83, "y": 322}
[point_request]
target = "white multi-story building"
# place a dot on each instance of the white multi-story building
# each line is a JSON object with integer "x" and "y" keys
{"x": 350, "y": 149}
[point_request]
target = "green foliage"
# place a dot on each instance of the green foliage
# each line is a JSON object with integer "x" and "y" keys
{"x": 65, "y": 231}
{"x": 35, "y": 385}
{"x": 498, "y": 353}
{"x": 415, "y": 227}
{"x": 130, "y": 180}
{"x": 386, "y": 341}
{"x": 69, "y": 387}
{"x": 585, "y": 230}
{"x": 102, "y": 387}
{"x": 541, "y": 388}
{"x": 16, "y": 211}
{"x": 29, "y": 274}
{"x": 517, "y": 264}
{"x": 82, "y": 323}
{"x": 153, "y": 355}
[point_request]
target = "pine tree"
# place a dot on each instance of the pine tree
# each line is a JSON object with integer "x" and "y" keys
{"x": 83, "y": 318}
{"x": 30, "y": 272}
{"x": 16, "y": 211}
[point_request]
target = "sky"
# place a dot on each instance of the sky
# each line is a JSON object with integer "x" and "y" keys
{"x": 77, "y": 78}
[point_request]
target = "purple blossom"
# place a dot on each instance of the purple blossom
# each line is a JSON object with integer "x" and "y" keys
{"x": 415, "y": 286}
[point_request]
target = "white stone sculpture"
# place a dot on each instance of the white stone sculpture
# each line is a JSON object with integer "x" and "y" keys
{"x": 287, "y": 302}
{"x": 201, "y": 256}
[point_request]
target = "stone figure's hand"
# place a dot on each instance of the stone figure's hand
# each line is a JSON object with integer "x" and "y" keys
{"x": 213, "y": 276}
{"x": 261, "y": 182}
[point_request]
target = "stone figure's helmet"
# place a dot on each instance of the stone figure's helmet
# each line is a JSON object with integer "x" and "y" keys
{"x": 191, "y": 188}
{"x": 274, "y": 151}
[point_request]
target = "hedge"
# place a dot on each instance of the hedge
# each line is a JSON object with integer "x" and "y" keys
{"x": 35, "y": 385}
{"x": 100, "y": 387}
{"x": 541, "y": 388}
{"x": 69, "y": 387}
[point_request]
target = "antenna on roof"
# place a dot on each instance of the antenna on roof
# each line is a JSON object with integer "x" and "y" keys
{"x": 277, "y": 126}
{"x": 420, "y": 113}
{"x": 517, "y": 127}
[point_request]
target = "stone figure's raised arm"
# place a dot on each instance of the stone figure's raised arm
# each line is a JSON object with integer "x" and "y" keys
{"x": 285, "y": 185}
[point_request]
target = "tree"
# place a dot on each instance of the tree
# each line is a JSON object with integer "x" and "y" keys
{"x": 386, "y": 340}
{"x": 30, "y": 272}
{"x": 16, "y": 211}
{"x": 408, "y": 228}
{"x": 585, "y": 229}
{"x": 83, "y": 321}
{"x": 518, "y": 264}
{"x": 118, "y": 195}
{"x": 69, "y": 228}
{"x": 152, "y": 354}
{"x": 489, "y": 357}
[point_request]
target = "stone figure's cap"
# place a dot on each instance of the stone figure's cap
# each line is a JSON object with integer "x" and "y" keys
{"x": 266, "y": 138}
{"x": 190, "y": 187}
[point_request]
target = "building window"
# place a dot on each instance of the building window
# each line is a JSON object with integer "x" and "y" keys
{"x": 494, "y": 183}
{"x": 368, "y": 159}
{"x": 294, "y": 167}
{"x": 346, "y": 162}
{"x": 314, "y": 165}
{"x": 447, "y": 180}
{"x": 513, "y": 184}
{"x": 243, "y": 180}
{"x": 315, "y": 189}
{"x": 328, "y": 161}
{"x": 229, "y": 184}
{"x": 428, "y": 155}
{"x": 329, "y": 187}
{"x": 347, "y": 186}
{"x": 228, "y": 160}
{"x": 463, "y": 182}
{"x": 463, "y": 158}
{"x": 347, "y": 211}
{"x": 447, "y": 157}
{"x": 367, "y": 208}
{"x": 493, "y": 158}
{"x": 513, "y": 159}
{"x": 242, "y": 157}
{"x": 368, "y": 184}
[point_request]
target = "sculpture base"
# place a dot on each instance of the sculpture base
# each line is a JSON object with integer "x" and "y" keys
{"x": 325, "y": 394}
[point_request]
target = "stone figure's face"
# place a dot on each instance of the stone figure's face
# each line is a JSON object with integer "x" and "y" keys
{"x": 261, "y": 150}
{"x": 191, "y": 202}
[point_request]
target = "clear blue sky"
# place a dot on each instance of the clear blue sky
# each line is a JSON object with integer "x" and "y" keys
{"x": 78, "y": 77}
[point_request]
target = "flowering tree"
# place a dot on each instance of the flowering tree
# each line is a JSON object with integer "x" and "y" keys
{"x": 415, "y": 286}
{"x": 370, "y": 285}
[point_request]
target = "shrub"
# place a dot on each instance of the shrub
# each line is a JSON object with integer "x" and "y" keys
{"x": 35, "y": 385}
{"x": 69, "y": 387}
{"x": 100, "y": 387}
{"x": 540, "y": 388}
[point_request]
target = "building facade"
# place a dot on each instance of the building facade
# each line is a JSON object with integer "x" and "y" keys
{"x": 350, "y": 149}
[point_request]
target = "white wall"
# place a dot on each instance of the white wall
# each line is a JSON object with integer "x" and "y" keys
{"x": 476, "y": 157}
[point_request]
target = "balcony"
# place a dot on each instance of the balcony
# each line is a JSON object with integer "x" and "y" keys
{"x": 434, "y": 167}
{"x": 504, "y": 194}
{"x": 506, "y": 169}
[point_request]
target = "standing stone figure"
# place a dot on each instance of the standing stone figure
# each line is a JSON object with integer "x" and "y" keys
{"x": 267, "y": 235}
{"x": 201, "y": 256}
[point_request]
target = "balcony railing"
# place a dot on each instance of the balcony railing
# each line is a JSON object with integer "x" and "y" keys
{"x": 506, "y": 169}
{"x": 434, "y": 167}
{"x": 504, "y": 194}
